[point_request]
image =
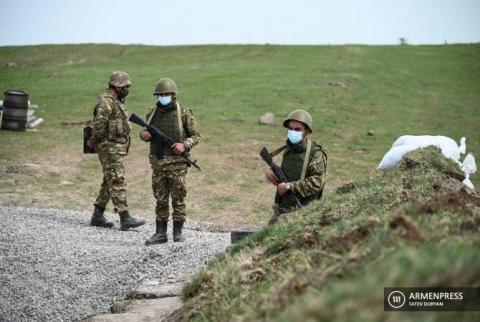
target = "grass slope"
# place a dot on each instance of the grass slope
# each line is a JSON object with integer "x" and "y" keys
{"x": 392, "y": 90}
{"x": 413, "y": 226}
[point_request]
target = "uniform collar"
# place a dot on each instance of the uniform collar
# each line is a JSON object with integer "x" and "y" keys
{"x": 108, "y": 94}
{"x": 299, "y": 147}
{"x": 170, "y": 107}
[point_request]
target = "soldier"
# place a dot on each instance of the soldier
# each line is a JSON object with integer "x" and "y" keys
{"x": 304, "y": 164}
{"x": 111, "y": 137}
{"x": 169, "y": 168}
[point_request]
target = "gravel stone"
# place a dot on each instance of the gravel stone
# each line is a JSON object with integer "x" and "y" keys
{"x": 55, "y": 267}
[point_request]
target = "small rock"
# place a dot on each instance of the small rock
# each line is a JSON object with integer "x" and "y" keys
{"x": 12, "y": 169}
{"x": 237, "y": 120}
{"x": 267, "y": 119}
{"x": 371, "y": 133}
{"x": 337, "y": 84}
{"x": 67, "y": 183}
{"x": 31, "y": 165}
{"x": 11, "y": 64}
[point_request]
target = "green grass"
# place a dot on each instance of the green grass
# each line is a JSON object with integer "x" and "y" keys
{"x": 331, "y": 261}
{"x": 392, "y": 90}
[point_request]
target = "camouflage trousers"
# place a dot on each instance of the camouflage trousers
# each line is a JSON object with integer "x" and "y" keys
{"x": 169, "y": 181}
{"x": 114, "y": 184}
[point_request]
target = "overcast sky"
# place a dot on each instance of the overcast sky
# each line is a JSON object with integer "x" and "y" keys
{"x": 173, "y": 22}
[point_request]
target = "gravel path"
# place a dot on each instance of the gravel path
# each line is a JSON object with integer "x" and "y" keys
{"x": 55, "y": 267}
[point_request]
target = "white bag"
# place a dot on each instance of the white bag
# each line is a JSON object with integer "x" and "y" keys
{"x": 393, "y": 156}
{"x": 449, "y": 147}
{"x": 469, "y": 167}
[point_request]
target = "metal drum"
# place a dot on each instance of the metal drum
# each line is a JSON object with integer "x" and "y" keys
{"x": 15, "y": 110}
{"x": 15, "y": 98}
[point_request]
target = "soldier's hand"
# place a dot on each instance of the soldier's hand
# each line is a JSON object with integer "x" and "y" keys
{"x": 282, "y": 188}
{"x": 271, "y": 177}
{"x": 178, "y": 148}
{"x": 145, "y": 136}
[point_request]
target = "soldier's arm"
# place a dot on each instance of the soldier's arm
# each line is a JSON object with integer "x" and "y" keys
{"x": 100, "y": 121}
{"x": 191, "y": 130}
{"x": 314, "y": 179}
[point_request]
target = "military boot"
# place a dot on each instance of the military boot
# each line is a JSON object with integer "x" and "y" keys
{"x": 126, "y": 221}
{"x": 160, "y": 235}
{"x": 98, "y": 219}
{"x": 177, "y": 231}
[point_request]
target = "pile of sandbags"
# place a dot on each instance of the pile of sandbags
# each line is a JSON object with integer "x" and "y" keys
{"x": 449, "y": 147}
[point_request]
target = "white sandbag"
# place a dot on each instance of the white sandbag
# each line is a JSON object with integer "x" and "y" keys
{"x": 463, "y": 146}
{"x": 418, "y": 141}
{"x": 468, "y": 167}
{"x": 468, "y": 183}
{"x": 393, "y": 156}
{"x": 449, "y": 147}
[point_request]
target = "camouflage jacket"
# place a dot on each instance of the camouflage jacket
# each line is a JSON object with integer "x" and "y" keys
{"x": 111, "y": 129}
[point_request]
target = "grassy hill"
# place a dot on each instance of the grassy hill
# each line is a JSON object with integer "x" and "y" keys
{"x": 414, "y": 226}
{"x": 349, "y": 90}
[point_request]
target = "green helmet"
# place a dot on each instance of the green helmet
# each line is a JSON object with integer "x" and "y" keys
{"x": 120, "y": 79}
{"x": 165, "y": 85}
{"x": 299, "y": 116}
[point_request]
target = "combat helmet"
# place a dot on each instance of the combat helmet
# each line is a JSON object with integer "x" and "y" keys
{"x": 120, "y": 79}
{"x": 299, "y": 116}
{"x": 165, "y": 85}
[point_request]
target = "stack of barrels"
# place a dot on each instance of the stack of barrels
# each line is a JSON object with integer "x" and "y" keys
{"x": 15, "y": 110}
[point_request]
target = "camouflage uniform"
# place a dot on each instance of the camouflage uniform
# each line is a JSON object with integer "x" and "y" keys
{"x": 170, "y": 170}
{"x": 308, "y": 189}
{"x": 111, "y": 131}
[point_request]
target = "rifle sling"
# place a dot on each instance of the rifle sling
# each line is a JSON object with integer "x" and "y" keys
{"x": 151, "y": 115}
{"x": 306, "y": 159}
{"x": 277, "y": 151}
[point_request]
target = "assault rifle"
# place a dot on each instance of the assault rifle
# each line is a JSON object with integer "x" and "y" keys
{"x": 166, "y": 140}
{"x": 277, "y": 171}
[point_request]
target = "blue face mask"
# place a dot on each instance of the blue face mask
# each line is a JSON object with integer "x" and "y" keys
{"x": 295, "y": 137}
{"x": 165, "y": 100}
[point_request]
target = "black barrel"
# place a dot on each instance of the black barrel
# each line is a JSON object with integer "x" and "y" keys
{"x": 15, "y": 110}
{"x": 15, "y": 98}
{"x": 14, "y": 125}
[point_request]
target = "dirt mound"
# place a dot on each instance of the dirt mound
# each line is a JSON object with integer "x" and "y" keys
{"x": 344, "y": 242}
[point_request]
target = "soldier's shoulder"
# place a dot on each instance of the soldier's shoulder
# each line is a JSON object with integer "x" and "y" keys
{"x": 316, "y": 146}
{"x": 319, "y": 151}
{"x": 187, "y": 112}
{"x": 105, "y": 99}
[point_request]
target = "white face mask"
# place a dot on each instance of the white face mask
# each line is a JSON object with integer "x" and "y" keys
{"x": 165, "y": 100}
{"x": 295, "y": 136}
